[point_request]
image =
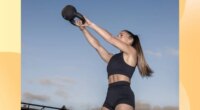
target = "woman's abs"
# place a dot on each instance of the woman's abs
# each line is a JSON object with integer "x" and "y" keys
{"x": 117, "y": 77}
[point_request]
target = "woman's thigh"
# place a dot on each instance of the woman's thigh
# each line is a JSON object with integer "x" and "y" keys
{"x": 104, "y": 108}
{"x": 124, "y": 107}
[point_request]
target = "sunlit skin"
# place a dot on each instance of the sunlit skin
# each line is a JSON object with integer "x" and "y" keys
{"x": 124, "y": 37}
{"x": 123, "y": 41}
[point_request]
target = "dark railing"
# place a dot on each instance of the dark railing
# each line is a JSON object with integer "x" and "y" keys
{"x": 29, "y": 106}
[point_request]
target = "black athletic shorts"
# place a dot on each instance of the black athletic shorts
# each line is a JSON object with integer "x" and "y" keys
{"x": 118, "y": 93}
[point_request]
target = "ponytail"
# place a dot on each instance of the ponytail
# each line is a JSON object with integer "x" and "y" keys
{"x": 144, "y": 69}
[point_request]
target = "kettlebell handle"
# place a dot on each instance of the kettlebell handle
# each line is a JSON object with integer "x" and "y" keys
{"x": 78, "y": 15}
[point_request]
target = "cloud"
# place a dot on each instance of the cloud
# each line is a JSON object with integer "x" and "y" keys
{"x": 46, "y": 82}
{"x": 30, "y": 97}
{"x": 156, "y": 54}
{"x": 170, "y": 108}
{"x": 146, "y": 106}
{"x": 139, "y": 105}
{"x": 172, "y": 51}
{"x": 169, "y": 51}
{"x": 66, "y": 80}
{"x": 54, "y": 81}
{"x": 55, "y": 84}
{"x": 62, "y": 94}
{"x": 60, "y": 83}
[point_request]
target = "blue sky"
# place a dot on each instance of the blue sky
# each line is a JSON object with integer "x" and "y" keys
{"x": 60, "y": 68}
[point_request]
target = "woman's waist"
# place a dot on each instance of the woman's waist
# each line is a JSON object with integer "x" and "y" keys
{"x": 118, "y": 78}
{"x": 119, "y": 84}
{"x": 127, "y": 74}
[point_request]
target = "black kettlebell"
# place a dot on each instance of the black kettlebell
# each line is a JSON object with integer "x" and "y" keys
{"x": 69, "y": 13}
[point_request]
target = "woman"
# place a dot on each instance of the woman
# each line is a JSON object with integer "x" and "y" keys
{"x": 121, "y": 66}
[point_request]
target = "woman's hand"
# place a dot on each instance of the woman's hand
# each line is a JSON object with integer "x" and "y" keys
{"x": 86, "y": 24}
{"x": 80, "y": 24}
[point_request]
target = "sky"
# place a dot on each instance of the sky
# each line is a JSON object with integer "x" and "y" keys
{"x": 59, "y": 67}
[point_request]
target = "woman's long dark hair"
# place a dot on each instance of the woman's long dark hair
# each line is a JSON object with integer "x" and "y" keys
{"x": 143, "y": 67}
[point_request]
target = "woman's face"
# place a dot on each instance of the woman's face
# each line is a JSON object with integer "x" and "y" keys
{"x": 125, "y": 37}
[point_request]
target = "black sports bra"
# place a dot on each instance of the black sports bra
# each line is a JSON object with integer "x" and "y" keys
{"x": 117, "y": 65}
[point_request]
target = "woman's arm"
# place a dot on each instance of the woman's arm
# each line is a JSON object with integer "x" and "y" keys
{"x": 104, "y": 54}
{"x": 109, "y": 38}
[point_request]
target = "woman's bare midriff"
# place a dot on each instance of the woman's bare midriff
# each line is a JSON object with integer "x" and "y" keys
{"x": 117, "y": 77}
